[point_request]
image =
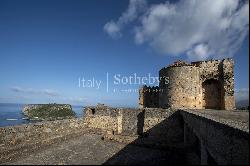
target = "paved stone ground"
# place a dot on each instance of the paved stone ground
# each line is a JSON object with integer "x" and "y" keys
{"x": 92, "y": 150}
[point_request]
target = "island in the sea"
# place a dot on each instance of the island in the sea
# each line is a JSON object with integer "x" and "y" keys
{"x": 51, "y": 111}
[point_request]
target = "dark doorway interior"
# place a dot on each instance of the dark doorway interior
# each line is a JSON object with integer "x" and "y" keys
{"x": 212, "y": 94}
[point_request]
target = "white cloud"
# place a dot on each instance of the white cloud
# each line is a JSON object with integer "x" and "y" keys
{"x": 31, "y": 95}
{"x": 113, "y": 29}
{"x": 134, "y": 9}
{"x": 77, "y": 99}
{"x": 74, "y": 100}
{"x": 242, "y": 94}
{"x": 199, "y": 52}
{"x": 201, "y": 29}
{"x": 48, "y": 92}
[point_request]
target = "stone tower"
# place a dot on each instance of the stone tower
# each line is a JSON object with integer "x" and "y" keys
{"x": 199, "y": 85}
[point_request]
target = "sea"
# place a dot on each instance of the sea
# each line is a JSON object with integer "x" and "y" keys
{"x": 11, "y": 114}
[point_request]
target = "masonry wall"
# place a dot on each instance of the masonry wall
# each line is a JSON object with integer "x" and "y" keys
{"x": 12, "y": 135}
{"x": 228, "y": 84}
{"x": 102, "y": 117}
{"x": 221, "y": 71}
{"x": 149, "y": 97}
{"x": 31, "y": 136}
{"x": 163, "y": 125}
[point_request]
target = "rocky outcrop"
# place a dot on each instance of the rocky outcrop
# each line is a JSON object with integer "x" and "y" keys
{"x": 48, "y": 111}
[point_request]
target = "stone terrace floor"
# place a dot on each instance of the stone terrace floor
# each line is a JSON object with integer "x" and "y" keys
{"x": 90, "y": 149}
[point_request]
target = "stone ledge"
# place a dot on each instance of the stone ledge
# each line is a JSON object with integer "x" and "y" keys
{"x": 229, "y": 118}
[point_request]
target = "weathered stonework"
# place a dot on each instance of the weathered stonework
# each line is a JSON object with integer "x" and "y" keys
{"x": 220, "y": 137}
{"x": 149, "y": 96}
{"x": 182, "y": 91}
{"x": 133, "y": 123}
{"x": 199, "y": 85}
{"x": 102, "y": 117}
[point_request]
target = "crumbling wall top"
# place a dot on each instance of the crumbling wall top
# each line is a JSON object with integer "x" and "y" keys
{"x": 179, "y": 63}
{"x": 197, "y": 63}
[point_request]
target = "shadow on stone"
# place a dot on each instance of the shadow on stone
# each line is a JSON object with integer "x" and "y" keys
{"x": 159, "y": 145}
{"x": 140, "y": 122}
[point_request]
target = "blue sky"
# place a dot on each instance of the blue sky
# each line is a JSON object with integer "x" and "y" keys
{"x": 46, "y": 46}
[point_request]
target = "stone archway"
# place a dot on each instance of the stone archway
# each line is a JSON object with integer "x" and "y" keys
{"x": 211, "y": 91}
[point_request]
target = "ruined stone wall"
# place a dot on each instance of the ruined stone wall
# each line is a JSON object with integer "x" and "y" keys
{"x": 221, "y": 71}
{"x": 102, "y": 117}
{"x": 163, "y": 125}
{"x": 149, "y": 97}
{"x": 32, "y": 136}
{"x": 183, "y": 89}
{"x": 13, "y": 135}
{"x": 228, "y": 84}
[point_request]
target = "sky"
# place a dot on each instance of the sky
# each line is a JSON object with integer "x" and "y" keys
{"x": 85, "y": 52}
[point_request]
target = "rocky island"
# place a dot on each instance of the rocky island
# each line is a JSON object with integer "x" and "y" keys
{"x": 48, "y": 111}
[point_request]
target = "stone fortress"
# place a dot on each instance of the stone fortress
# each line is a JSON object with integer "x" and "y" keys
{"x": 174, "y": 131}
{"x": 199, "y": 85}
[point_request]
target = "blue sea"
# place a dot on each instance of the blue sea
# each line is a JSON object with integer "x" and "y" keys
{"x": 11, "y": 114}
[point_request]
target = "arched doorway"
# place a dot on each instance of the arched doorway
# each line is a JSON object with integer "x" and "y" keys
{"x": 211, "y": 91}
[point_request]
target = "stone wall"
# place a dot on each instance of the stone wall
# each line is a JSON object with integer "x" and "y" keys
{"x": 14, "y": 139}
{"x": 42, "y": 130}
{"x": 163, "y": 125}
{"x": 228, "y": 84}
{"x": 149, "y": 97}
{"x": 221, "y": 71}
{"x": 102, "y": 117}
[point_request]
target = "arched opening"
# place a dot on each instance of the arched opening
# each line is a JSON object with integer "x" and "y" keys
{"x": 212, "y": 91}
